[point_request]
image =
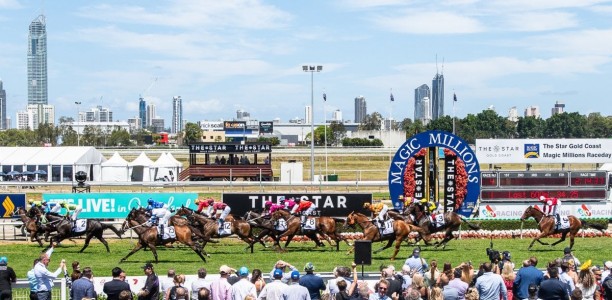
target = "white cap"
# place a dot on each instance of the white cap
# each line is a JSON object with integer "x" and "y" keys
{"x": 542, "y": 198}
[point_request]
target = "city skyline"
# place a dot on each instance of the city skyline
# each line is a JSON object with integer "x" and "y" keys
{"x": 232, "y": 55}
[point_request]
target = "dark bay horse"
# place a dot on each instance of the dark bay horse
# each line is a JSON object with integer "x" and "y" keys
{"x": 93, "y": 229}
{"x": 148, "y": 235}
{"x": 401, "y": 231}
{"x": 452, "y": 222}
{"x": 266, "y": 226}
{"x": 31, "y": 224}
{"x": 294, "y": 227}
{"x": 547, "y": 226}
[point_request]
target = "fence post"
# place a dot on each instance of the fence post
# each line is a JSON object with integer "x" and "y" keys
{"x": 63, "y": 289}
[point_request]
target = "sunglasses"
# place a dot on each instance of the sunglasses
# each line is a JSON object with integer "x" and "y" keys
{"x": 382, "y": 288}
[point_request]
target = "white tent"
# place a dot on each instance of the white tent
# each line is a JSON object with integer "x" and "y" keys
{"x": 165, "y": 168}
{"x": 140, "y": 168}
{"x": 115, "y": 169}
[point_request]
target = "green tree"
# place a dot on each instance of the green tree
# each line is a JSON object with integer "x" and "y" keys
{"x": 371, "y": 122}
{"x": 530, "y": 127}
{"x": 192, "y": 133}
{"x": 566, "y": 125}
{"x": 119, "y": 137}
{"x": 46, "y": 133}
{"x": 338, "y": 132}
{"x": 598, "y": 126}
{"x": 444, "y": 123}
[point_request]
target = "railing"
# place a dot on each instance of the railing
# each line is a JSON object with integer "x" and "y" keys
{"x": 21, "y": 290}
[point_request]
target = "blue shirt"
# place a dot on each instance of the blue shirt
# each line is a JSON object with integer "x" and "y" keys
{"x": 524, "y": 277}
{"x": 416, "y": 263}
{"x": 82, "y": 287}
{"x": 553, "y": 289}
{"x": 314, "y": 284}
{"x": 33, "y": 281}
{"x": 490, "y": 286}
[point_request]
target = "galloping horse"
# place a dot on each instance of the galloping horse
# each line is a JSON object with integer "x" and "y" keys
{"x": 93, "y": 228}
{"x": 258, "y": 220}
{"x": 547, "y": 226}
{"x": 401, "y": 231}
{"x": 147, "y": 235}
{"x": 452, "y": 221}
{"x": 30, "y": 223}
{"x": 325, "y": 226}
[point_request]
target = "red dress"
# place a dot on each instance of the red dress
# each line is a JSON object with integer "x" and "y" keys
{"x": 509, "y": 284}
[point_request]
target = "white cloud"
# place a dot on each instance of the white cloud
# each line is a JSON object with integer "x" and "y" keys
{"x": 540, "y": 21}
{"x": 10, "y": 4}
{"x": 530, "y": 5}
{"x": 592, "y": 42}
{"x": 430, "y": 22}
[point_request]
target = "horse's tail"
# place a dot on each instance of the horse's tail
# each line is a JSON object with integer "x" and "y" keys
{"x": 599, "y": 227}
{"x": 111, "y": 227}
{"x": 471, "y": 225}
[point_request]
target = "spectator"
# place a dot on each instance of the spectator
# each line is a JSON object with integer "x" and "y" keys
{"x": 435, "y": 293}
{"x": 257, "y": 280}
{"x": 167, "y": 282}
{"x": 431, "y": 277}
{"x": 274, "y": 289}
{"x": 472, "y": 294}
{"x": 413, "y": 295}
{"x": 45, "y": 278}
{"x": 458, "y": 284}
{"x": 282, "y": 265}
{"x": 381, "y": 291}
{"x": 416, "y": 262}
{"x": 177, "y": 290}
{"x": 407, "y": 279}
{"x": 7, "y": 276}
{"x": 586, "y": 281}
{"x": 607, "y": 287}
{"x": 346, "y": 291}
{"x": 491, "y": 286}
{"x": 553, "y": 288}
{"x": 449, "y": 292}
{"x": 606, "y": 270}
{"x": 113, "y": 288}
{"x": 220, "y": 288}
{"x": 571, "y": 271}
{"x": 467, "y": 273}
{"x": 508, "y": 276}
{"x": 199, "y": 283}
{"x": 204, "y": 294}
{"x": 569, "y": 255}
{"x": 83, "y": 287}
{"x": 394, "y": 286}
{"x": 295, "y": 291}
{"x": 418, "y": 283}
{"x": 363, "y": 292}
{"x": 576, "y": 295}
{"x": 532, "y": 290}
{"x": 243, "y": 287}
{"x": 125, "y": 295}
{"x": 312, "y": 282}
{"x": 565, "y": 277}
{"x": 150, "y": 290}
{"x": 32, "y": 281}
{"x": 526, "y": 276}
{"x": 506, "y": 257}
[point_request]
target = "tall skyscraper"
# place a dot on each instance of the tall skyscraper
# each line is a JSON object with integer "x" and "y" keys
{"x": 425, "y": 107}
{"x": 242, "y": 115}
{"x": 37, "y": 62}
{"x": 437, "y": 96}
{"x": 142, "y": 113}
{"x": 558, "y": 108}
{"x": 99, "y": 114}
{"x": 337, "y": 115}
{"x": 177, "y": 114}
{"x": 513, "y": 114}
{"x": 420, "y": 93}
{"x": 151, "y": 114}
{"x": 361, "y": 109}
{"x": 2, "y": 107}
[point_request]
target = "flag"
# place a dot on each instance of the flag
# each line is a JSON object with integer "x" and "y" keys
{"x": 392, "y": 99}
{"x": 324, "y": 97}
{"x": 454, "y": 97}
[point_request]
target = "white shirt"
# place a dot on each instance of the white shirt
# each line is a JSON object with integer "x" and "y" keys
{"x": 45, "y": 277}
{"x": 197, "y": 285}
{"x": 242, "y": 288}
{"x": 272, "y": 291}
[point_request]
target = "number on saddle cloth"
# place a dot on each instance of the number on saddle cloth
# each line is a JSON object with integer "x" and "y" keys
{"x": 225, "y": 228}
{"x": 310, "y": 224}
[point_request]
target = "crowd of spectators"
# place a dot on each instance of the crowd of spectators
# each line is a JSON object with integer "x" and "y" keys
{"x": 563, "y": 278}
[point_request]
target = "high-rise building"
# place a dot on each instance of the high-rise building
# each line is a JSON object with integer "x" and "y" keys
{"x": 361, "y": 109}
{"x": 532, "y": 111}
{"x": 420, "y": 93}
{"x": 513, "y": 114}
{"x": 437, "y": 97}
{"x": 23, "y": 120}
{"x": 151, "y": 114}
{"x": 37, "y": 62}
{"x": 337, "y": 115}
{"x": 142, "y": 113}
{"x": 40, "y": 114}
{"x": 558, "y": 108}
{"x": 99, "y": 114}
{"x": 425, "y": 107}
{"x": 157, "y": 124}
{"x": 307, "y": 114}
{"x": 242, "y": 115}
{"x": 2, "y": 107}
{"x": 177, "y": 114}
{"x": 134, "y": 123}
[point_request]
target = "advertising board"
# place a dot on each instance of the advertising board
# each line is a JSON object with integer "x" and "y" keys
{"x": 507, "y": 211}
{"x": 8, "y": 203}
{"x": 535, "y": 151}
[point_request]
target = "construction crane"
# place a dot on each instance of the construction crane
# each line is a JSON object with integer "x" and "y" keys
{"x": 147, "y": 89}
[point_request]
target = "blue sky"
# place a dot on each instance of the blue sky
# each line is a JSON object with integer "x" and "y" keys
{"x": 220, "y": 56}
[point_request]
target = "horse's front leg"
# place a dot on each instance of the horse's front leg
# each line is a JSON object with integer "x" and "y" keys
{"x": 388, "y": 245}
{"x": 563, "y": 235}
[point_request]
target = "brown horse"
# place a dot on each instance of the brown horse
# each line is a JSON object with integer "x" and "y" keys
{"x": 401, "y": 231}
{"x": 93, "y": 228}
{"x": 452, "y": 222}
{"x": 147, "y": 235}
{"x": 31, "y": 224}
{"x": 547, "y": 226}
{"x": 325, "y": 226}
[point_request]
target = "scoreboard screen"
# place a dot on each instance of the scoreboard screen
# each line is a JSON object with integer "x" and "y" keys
{"x": 593, "y": 178}
{"x": 514, "y": 179}
{"x": 534, "y": 194}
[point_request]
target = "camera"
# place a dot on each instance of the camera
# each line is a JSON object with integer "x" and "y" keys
{"x": 494, "y": 255}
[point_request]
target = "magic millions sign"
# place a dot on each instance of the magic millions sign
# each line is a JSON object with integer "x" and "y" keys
{"x": 462, "y": 171}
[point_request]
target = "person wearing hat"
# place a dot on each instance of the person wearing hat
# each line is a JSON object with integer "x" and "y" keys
{"x": 312, "y": 282}
{"x": 220, "y": 288}
{"x": 202, "y": 204}
{"x": 274, "y": 289}
{"x": 159, "y": 214}
{"x": 379, "y": 209}
{"x": 568, "y": 255}
{"x": 243, "y": 287}
{"x": 416, "y": 262}
{"x": 282, "y": 265}
{"x": 7, "y": 276}
{"x": 295, "y": 291}
{"x": 150, "y": 290}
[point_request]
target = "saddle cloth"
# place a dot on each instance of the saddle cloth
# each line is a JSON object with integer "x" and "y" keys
{"x": 310, "y": 224}
{"x": 281, "y": 225}
{"x": 225, "y": 228}
{"x": 169, "y": 232}
{"x": 438, "y": 221}
{"x": 79, "y": 226}
{"x": 387, "y": 227}
{"x": 565, "y": 223}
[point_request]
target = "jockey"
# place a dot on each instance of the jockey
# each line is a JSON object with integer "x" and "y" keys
{"x": 304, "y": 207}
{"x": 43, "y": 208}
{"x": 203, "y": 203}
{"x": 54, "y": 207}
{"x": 159, "y": 214}
{"x": 428, "y": 207}
{"x": 270, "y": 207}
{"x": 550, "y": 206}
{"x": 72, "y": 210}
{"x": 289, "y": 204}
{"x": 379, "y": 209}
{"x": 220, "y": 206}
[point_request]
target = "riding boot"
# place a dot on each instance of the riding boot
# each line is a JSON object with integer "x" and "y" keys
{"x": 161, "y": 230}
{"x": 303, "y": 221}
{"x": 558, "y": 220}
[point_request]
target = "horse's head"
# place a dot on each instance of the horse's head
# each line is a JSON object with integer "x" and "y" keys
{"x": 350, "y": 220}
{"x": 184, "y": 211}
{"x": 277, "y": 215}
{"x": 19, "y": 211}
{"x": 528, "y": 213}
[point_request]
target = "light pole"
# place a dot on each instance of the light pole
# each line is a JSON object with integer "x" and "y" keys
{"x": 78, "y": 104}
{"x": 312, "y": 70}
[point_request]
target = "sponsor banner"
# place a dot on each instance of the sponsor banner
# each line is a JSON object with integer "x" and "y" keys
{"x": 117, "y": 205}
{"x": 419, "y": 177}
{"x": 534, "y": 151}
{"x": 229, "y": 125}
{"x": 515, "y": 211}
{"x": 328, "y": 204}
{"x": 266, "y": 127}
{"x": 211, "y": 125}
{"x": 229, "y": 148}
{"x": 9, "y": 202}
{"x": 449, "y": 183}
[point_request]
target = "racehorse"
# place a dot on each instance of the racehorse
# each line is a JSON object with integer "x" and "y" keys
{"x": 401, "y": 231}
{"x": 147, "y": 235}
{"x": 258, "y": 220}
{"x": 209, "y": 228}
{"x": 452, "y": 221}
{"x": 31, "y": 224}
{"x": 547, "y": 226}
{"x": 326, "y": 226}
{"x": 93, "y": 228}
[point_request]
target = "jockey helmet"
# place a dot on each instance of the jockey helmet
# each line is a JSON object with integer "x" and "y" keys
{"x": 210, "y": 200}
{"x": 367, "y": 205}
{"x": 30, "y": 201}
{"x": 542, "y": 198}
{"x": 63, "y": 204}
{"x": 3, "y": 260}
{"x": 197, "y": 201}
{"x": 268, "y": 204}
{"x": 150, "y": 201}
